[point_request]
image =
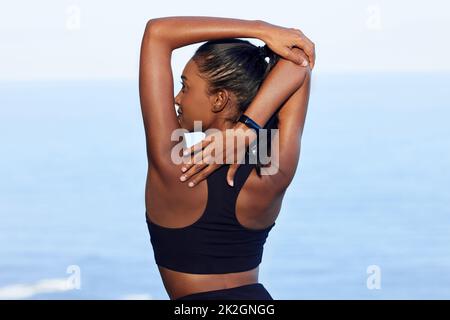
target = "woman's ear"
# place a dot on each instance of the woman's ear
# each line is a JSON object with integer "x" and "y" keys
{"x": 220, "y": 100}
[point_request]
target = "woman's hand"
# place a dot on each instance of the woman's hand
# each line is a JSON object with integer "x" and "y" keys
{"x": 281, "y": 41}
{"x": 203, "y": 162}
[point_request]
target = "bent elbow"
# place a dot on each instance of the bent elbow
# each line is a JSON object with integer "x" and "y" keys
{"x": 152, "y": 28}
{"x": 297, "y": 71}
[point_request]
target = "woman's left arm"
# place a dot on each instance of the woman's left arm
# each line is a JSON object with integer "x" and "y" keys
{"x": 177, "y": 32}
{"x": 161, "y": 37}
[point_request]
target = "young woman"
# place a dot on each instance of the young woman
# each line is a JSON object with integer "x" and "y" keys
{"x": 208, "y": 240}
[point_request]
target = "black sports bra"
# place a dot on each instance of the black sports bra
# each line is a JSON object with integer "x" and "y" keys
{"x": 215, "y": 243}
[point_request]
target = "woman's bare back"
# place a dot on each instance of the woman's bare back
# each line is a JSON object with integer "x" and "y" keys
{"x": 175, "y": 205}
{"x": 172, "y": 204}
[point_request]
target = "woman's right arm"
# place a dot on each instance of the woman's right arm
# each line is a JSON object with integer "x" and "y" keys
{"x": 291, "y": 122}
{"x": 285, "y": 78}
{"x": 284, "y": 89}
{"x": 281, "y": 82}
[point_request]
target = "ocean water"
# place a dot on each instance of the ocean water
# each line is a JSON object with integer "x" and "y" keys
{"x": 371, "y": 193}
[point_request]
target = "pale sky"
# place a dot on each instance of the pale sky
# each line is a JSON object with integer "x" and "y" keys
{"x": 79, "y": 39}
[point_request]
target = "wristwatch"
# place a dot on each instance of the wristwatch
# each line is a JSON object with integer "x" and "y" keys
{"x": 249, "y": 122}
{"x": 253, "y": 147}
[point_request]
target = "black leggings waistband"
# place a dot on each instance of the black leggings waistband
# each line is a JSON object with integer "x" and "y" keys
{"x": 254, "y": 291}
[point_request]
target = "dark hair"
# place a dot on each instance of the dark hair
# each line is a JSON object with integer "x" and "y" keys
{"x": 240, "y": 67}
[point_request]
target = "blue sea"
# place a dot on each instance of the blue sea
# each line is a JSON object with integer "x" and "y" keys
{"x": 367, "y": 215}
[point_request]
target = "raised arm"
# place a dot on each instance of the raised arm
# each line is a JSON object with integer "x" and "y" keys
{"x": 180, "y": 31}
{"x": 161, "y": 37}
{"x": 281, "y": 82}
{"x": 176, "y": 32}
{"x": 277, "y": 91}
{"x": 291, "y": 122}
